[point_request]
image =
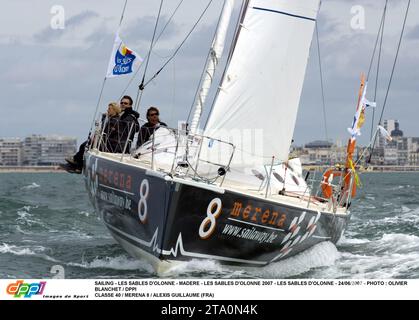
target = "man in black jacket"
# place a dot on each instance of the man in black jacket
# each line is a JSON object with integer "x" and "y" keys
{"x": 148, "y": 129}
{"x": 128, "y": 123}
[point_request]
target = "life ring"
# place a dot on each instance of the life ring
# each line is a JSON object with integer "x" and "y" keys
{"x": 326, "y": 184}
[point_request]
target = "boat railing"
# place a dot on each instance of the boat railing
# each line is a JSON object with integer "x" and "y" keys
{"x": 179, "y": 153}
{"x": 341, "y": 196}
{"x": 174, "y": 151}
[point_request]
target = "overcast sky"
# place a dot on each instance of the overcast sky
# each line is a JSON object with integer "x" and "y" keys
{"x": 50, "y": 78}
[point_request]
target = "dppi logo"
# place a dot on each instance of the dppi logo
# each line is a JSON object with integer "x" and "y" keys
{"x": 19, "y": 289}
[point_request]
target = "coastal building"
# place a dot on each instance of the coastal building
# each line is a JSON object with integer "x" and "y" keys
{"x": 55, "y": 149}
{"x": 10, "y": 152}
{"x": 47, "y": 150}
{"x": 322, "y": 153}
{"x": 32, "y": 150}
{"x": 391, "y": 156}
{"x": 36, "y": 150}
{"x": 401, "y": 151}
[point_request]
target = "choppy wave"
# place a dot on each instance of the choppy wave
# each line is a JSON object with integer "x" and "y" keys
{"x": 322, "y": 255}
{"x": 344, "y": 240}
{"x": 121, "y": 262}
{"x": 84, "y": 213}
{"x": 36, "y": 251}
{"x": 27, "y": 218}
{"x": 196, "y": 267}
{"x": 51, "y": 221}
{"x": 33, "y": 185}
{"x": 391, "y": 256}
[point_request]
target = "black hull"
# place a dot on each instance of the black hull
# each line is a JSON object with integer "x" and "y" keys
{"x": 166, "y": 220}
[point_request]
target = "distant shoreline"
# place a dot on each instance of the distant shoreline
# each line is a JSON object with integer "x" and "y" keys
{"x": 58, "y": 169}
{"x": 372, "y": 169}
{"x": 32, "y": 169}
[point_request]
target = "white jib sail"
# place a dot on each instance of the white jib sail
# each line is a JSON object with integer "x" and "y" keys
{"x": 256, "y": 107}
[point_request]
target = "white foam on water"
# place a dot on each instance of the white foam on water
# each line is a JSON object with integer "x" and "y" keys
{"x": 321, "y": 255}
{"x": 405, "y": 209}
{"x": 367, "y": 207}
{"x": 69, "y": 235}
{"x": 399, "y": 187}
{"x": 26, "y": 218}
{"x": 84, "y": 213}
{"x": 36, "y": 251}
{"x": 19, "y": 229}
{"x": 28, "y": 241}
{"x": 344, "y": 240}
{"x": 33, "y": 185}
{"x": 405, "y": 215}
{"x": 117, "y": 263}
{"x": 400, "y": 243}
{"x": 392, "y": 256}
{"x": 196, "y": 266}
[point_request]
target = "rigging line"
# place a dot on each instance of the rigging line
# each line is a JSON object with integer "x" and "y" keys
{"x": 180, "y": 46}
{"x": 157, "y": 39}
{"x": 123, "y": 13}
{"x": 395, "y": 61}
{"x": 97, "y": 105}
{"x": 104, "y": 80}
{"x": 392, "y": 74}
{"x": 141, "y": 87}
{"x": 174, "y": 92}
{"x": 140, "y": 91}
{"x": 376, "y": 41}
{"x": 378, "y": 70}
{"x": 322, "y": 82}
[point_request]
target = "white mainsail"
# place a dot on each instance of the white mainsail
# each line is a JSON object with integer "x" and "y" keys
{"x": 260, "y": 92}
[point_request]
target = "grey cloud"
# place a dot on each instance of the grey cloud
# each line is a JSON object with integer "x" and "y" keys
{"x": 326, "y": 25}
{"x": 142, "y": 29}
{"x": 414, "y": 33}
{"x": 64, "y": 83}
{"x": 52, "y": 89}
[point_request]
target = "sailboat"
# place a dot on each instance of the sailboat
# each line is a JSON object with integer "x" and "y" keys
{"x": 191, "y": 194}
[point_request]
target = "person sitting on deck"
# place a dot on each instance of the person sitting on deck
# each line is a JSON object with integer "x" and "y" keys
{"x": 128, "y": 124}
{"x": 148, "y": 129}
{"x": 110, "y": 134}
{"x": 75, "y": 162}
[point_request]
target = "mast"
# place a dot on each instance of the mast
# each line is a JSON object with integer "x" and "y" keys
{"x": 214, "y": 57}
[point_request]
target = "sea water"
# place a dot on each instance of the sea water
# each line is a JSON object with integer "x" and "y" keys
{"x": 48, "y": 228}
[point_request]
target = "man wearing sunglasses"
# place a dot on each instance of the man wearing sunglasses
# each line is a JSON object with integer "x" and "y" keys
{"x": 148, "y": 129}
{"x": 128, "y": 123}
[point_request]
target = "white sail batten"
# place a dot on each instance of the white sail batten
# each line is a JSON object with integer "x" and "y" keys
{"x": 214, "y": 57}
{"x": 257, "y": 103}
